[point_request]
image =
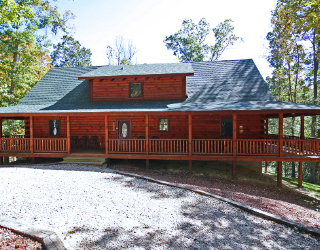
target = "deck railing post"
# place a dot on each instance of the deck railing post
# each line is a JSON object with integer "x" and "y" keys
{"x": 302, "y": 127}
{"x": 68, "y": 135}
{"x": 31, "y": 135}
{"x": 106, "y": 134}
{"x": 190, "y": 143}
{"x": 234, "y": 146}
{"x": 1, "y": 159}
{"x": 280, "y": 135}
{"x": 147, "y": 141}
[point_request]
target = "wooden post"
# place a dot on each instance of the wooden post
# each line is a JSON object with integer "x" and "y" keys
{"x": 281, "y": 135}
{"x": 147, "y": 141}
{"x": 300, "y": 175}
{"x": 31, "y": 135}
{"x": 1, "y": 159}
{"x": 265, "y": 167}
{"x": 68, "y": 135}
{"x": 279, "y": 174}
{"x": 267, "y": 127}
{"x": 234, "y": 146}
{"x": 106, "y": 143}
{"x": 190, "y": 143}
{"x": 302, "y": 127}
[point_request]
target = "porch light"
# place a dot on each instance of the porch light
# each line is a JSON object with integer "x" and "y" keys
{"x": 240, "y": 129}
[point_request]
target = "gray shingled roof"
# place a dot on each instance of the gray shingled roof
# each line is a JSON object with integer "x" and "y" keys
{"x": 141, "y": 69}
{"x": 219, "y": 85}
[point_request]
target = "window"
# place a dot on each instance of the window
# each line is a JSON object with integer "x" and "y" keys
{"x": 226, "y": 127}
{"x": 163, "y": 124}
{"x": 135, "y": 89}
{"x": 54, "y": 127}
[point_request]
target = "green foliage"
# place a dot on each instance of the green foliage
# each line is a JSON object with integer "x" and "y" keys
{"x": 189, "y": 43}
{"x": 12, "y": 127}
{"x": 69, "y": 53}
{"x": 224, "y": 37}
{"x": 23, "y": 52}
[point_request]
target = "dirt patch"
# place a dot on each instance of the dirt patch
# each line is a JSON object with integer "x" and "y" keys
{"x": 250, "y": 187}
{"x": 10, "y": 240}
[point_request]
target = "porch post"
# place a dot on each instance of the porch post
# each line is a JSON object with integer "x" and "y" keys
{"x": 68, "y": 134}
{"x": 106, "y": 143}
{"x": 1, "y": 158}
{"x": 147, "y": 141}
{"x": 301, "y": 163}
{"x": 265, "y": 167}
{"x": 190, "y": 143}
{"x": 300, "y": 175}
{"x": 31, "y": 135}
{"x": 279, "y": 174}
{"x": 234, "y": 146}
{"x": 302, "y": 127}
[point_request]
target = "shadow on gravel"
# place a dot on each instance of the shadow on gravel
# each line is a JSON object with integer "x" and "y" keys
{"x": 204, "y": 225}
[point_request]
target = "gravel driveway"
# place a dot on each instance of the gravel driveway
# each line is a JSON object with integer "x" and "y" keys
{"x": 93, "y": 208}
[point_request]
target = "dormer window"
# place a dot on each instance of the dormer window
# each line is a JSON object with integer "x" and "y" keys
{"x": 135, "y": 89}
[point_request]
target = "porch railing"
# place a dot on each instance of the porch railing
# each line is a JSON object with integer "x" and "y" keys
{"x": 168, "y": 146}
{"x": 127, "y": 146}
{"x": 290, "y": 147}
{"x": 257, "y": 147}
{"x": 302, "y": 147}
{"x": 212, "y": 146}
{"x": 14, "y": 144}
{"x": 50, "y": 145}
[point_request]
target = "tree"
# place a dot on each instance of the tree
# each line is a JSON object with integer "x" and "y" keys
{"x": 69, "y": 53}
{"x": 189, "y": 45}
{"x": 122, "y": 52}
{"x": 294, "y": 47}
{"x": 23, "y": 52}
{"x": 224, "y": 37}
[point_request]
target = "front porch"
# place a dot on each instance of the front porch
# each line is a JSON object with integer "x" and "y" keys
{"x": 212, "y": 137}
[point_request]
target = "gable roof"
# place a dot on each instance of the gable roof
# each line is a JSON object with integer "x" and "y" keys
{"x": 218, "y": 85}
{"x": 141, "y": 70}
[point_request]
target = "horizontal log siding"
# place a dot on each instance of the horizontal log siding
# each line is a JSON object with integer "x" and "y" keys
{"x": 209, "y": 127}
{"x": 88, "y": 126}
{"x": 41, "y": 127}
{"x": 164, "y": 88}
{"x": 178, "y": 126}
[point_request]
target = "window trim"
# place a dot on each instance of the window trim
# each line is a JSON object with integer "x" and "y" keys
{"x": 140, "y": 97}
{"x": 164, "y": 124}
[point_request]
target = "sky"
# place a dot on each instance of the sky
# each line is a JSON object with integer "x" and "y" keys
{"x": 147, "y": 22}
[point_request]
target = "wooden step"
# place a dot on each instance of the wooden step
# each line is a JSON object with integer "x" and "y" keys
{"x": 84, "y": 160}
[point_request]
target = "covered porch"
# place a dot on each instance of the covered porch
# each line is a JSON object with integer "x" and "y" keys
{"x": 167, "y": 136}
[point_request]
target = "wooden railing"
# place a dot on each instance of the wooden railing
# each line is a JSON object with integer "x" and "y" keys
{"x": 14, "y": 144}
{"x": 290, "y": 147}
{"x": 301, "y": 147}
{"x": 168, "y": 146}
{"x": 257, "y": 147}
{"x": 212, "y": 146}
{"x": 50, "y": 145}
{"x": 127, "y": 146}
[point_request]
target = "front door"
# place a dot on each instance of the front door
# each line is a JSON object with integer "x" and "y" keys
{"x": 124, "y": 129}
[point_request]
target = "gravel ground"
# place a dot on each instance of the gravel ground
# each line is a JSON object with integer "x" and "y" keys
{"x": 94, "y": 208}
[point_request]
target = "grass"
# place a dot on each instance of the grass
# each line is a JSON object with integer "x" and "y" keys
{"x": 307, "y": 185}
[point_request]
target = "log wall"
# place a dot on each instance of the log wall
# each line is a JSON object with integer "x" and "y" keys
{"x": 203, "y": 126}
{"x": 154, "y": 88}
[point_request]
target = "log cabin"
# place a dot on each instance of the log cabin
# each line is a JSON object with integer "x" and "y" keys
{"x": 209, "y": 111}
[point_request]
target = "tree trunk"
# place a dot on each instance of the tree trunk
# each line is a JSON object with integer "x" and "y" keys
{"x": 293, "y": 170}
